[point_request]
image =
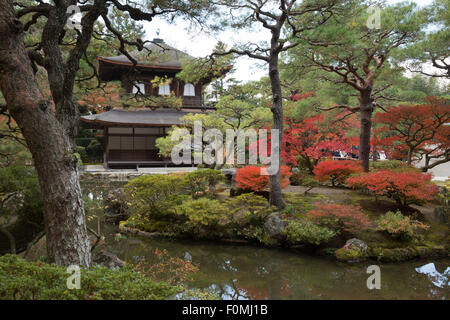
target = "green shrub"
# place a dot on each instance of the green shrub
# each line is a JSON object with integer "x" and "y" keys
{"x": 388, "y": 165}
{"x": 199, "y": 181}
{"x": 309, "y": 182}
{"x": 399, "y": 226}
{"x": 202, "y": 213}
{"x": 296, "y": 178}
{"x": 248, "y": 208}
{"x": 304, "y": 179}
{"x": 307, "y": 232}
{"x": 209, "y": 218}
{"x": 246, "y": 217}
{"x": 22, "y": 280}
{"x": 236, "y": 217}
{"x": 82, "y": 152}
{"x": 154, "y": 196}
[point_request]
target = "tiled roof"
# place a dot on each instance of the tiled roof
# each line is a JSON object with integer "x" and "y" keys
{"x": 139, "y": 117}
{"x": 158, "y": 55}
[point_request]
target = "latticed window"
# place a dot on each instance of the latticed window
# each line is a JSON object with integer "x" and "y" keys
{"x": 164, "y": 90}
{"x": 139, "y": 87}
{"x": 189, "y": 90}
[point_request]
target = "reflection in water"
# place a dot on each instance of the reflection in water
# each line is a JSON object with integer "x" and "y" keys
{"x": 440, "y": 280}
{"x": 247, "y": 272}
{"x": 244, "y": 272}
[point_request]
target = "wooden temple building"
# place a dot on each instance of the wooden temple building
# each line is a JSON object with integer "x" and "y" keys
{"x": 130, "y": 135}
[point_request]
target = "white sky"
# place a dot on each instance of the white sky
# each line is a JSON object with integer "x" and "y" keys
{"x": 199, "y": 44}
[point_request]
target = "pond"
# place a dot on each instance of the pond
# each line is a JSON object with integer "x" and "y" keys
{"x": 249, "y": 272}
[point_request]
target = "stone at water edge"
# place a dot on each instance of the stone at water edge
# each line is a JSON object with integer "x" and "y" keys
{"x": 356, "y": 243}
{"x": 354, "y": 250}
{"x": 274, "y": 225}
{"x": 107, "y": 259}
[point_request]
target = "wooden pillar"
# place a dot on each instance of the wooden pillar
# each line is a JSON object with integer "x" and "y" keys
{"x": 105, "y": 147}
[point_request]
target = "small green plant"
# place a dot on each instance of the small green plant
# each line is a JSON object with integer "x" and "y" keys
{"x": 304, "y": 179}
{"x": 307, "y": 232}
{"x": 399, "y": 226}
{"x": 296, "y": 178}
{"x": 310, "y": 183}
{"x": 81, "y": 151}
{"x": 197, "y": 182}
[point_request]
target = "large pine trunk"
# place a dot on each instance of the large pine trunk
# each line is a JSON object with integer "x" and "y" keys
{"x": 276, "y": 197}
{"x": 366, "y": 109}
{"x": 51, "y": 147}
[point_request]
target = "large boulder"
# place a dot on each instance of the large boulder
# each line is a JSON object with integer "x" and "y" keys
{"x": 354, "y": 250}
{"x": 107, "y": 259}
{"x": 274, "y": 226}
{"x": 356, "y": 244}
{"x": 115, "y": 206}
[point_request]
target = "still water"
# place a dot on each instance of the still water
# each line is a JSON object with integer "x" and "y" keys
{"x": 248, "y": 272}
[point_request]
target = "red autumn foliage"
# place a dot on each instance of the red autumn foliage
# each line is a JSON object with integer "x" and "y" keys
{"x": 310, "y": 138}
{"x": 415, "y": 132}
{"x": 250, "y": 178}
{"x": 100, "y": 98}
{"x": 340, "y": 217}
{"x": 406, "y": 187}
{"x": 337, "y": 171}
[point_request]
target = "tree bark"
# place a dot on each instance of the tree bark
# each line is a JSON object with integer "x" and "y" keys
{"x": 276, "y": 197}
{"x": 49, "y": 144}
{"x": 366, "y": 109}
{"x": 410, "y": 152}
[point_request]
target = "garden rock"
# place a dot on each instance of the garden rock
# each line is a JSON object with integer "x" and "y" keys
{"x": 356, "y": 244}
{"x": 108, "y": 260}
{"x": 274, "y": 225}
{"x": 354, "y": 250}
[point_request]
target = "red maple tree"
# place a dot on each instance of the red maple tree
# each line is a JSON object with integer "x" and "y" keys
{"x": 250, "y": 178}
{"x": 308, "y": 140}
{"x": 415, "y": 132}
{"x": 404, "y": 187}
{"x": 337, "y": 171}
